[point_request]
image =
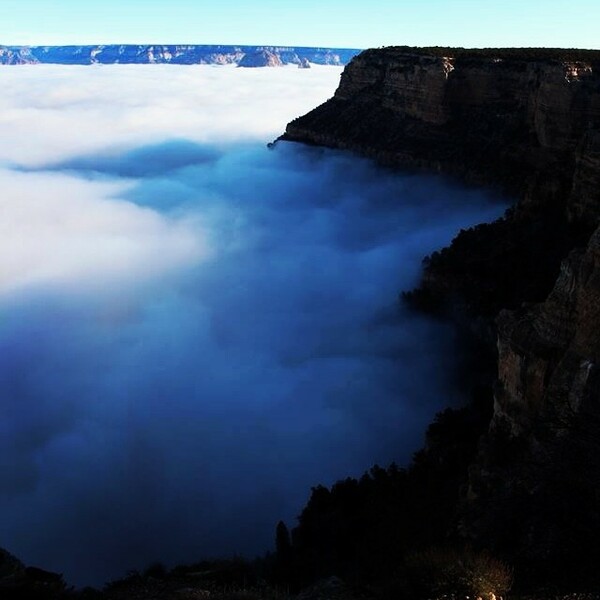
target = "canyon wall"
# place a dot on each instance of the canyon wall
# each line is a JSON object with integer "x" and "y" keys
{"x": 526, "y": 122}
{"x": 189, "y": 54}
{"x": 528, "y": 125}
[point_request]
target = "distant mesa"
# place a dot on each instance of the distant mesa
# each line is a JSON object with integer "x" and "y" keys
{"x": 261, "y": 58}
{"x": 195, "y": 54}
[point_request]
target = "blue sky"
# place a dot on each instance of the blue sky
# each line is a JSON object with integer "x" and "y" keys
{"x": 341, "y": 23}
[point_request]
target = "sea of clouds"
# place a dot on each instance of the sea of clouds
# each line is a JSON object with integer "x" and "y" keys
{"x": 195, "y": 328}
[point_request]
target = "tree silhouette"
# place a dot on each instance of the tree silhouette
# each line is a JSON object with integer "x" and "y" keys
{"x": 283, "y": 545}
{"x": 283, "y": 554}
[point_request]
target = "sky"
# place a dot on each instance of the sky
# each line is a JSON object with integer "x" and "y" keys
{"x": 331, "y": 23}
{"x": 197, "y": 328}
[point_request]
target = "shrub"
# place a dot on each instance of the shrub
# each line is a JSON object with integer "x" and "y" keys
{"x": 155, "y": 571}
{"x": 457, "y": 574}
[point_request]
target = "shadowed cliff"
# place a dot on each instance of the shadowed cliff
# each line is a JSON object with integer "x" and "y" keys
{"x": 526, "y": 121}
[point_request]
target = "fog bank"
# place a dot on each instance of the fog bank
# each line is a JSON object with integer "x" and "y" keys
{"x": 197, "y": 328}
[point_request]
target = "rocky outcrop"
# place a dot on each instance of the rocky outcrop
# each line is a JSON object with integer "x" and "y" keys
{"x": 492, "y": 117}
{"x": 549, "y": 353}
{"x": 533, "y": 489}
{"x": 528, "y": 123}
{"x": 524, "y": 121}
{"x": 171, "y": 54}
{"x": 260, "y": 58}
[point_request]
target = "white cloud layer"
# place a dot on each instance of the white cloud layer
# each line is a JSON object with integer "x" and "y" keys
{"x": 59, "y": 229}
{"x": 52, "y": 112}
{"x": 197, "y": 329}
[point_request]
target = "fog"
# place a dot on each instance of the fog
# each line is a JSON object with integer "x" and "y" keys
{"x": 195, "y": 328}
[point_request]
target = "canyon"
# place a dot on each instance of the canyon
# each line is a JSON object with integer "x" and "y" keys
{"x": 516, "y": 470}
{"x": 189, "y": 54}
{"x": 527, "y": 287}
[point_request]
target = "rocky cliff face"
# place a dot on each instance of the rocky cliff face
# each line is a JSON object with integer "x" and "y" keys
{"x": 534, "y": 487}
{"x": 496, "y": 118}
{"x": 261, "y": 58}
{"x": 527, "y": 122}
{"x": 550, "y": 352}
{"x": 172, "y": 54}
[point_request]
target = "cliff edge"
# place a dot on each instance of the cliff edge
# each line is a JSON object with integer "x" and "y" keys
{"x": 526, "y": 121}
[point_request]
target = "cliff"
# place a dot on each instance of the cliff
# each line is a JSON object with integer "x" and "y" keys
{"x": 551, "y": 350}
{"x": 260, "y": 58}
{"x": 527, "y": 122}
{"x": 533, "y": 488}
{"x": 496, "y": 117}
{"x": 189, "y": 54}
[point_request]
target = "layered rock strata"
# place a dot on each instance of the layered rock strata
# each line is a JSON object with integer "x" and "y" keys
{"x": 171, "y": 54}
{"x": 551, "y": 350}
{"x": 534, "y": 489}
{"x": 260, "y": 58}
{"x": 527, "y": 122}
{"x": 512, "y": 121}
